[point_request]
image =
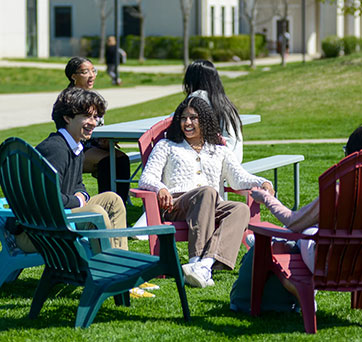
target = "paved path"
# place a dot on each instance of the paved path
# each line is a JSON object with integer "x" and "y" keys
{"x": 18, "y": 110}
{"x": 166, "y": 69}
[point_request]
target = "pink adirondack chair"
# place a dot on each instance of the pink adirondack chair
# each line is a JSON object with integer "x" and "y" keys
{"x": 338, "y": 254}
{"x": 149, "y": 198}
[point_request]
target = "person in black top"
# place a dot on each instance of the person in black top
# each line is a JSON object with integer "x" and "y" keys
{"x": 111, "y": 59}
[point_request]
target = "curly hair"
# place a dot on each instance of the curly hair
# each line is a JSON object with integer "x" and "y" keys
{"x": 72, "y": 67}
{"x": 209, "y": 126}
{"x": 202, "y": 75}
{"x": 73, "y": 101}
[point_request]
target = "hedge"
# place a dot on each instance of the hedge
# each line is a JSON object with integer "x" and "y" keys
{"x": 172, "y": 47}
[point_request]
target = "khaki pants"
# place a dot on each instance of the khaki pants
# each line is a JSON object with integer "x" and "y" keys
{"x": 216, "y": 227}
{"x": 109, "y": 204}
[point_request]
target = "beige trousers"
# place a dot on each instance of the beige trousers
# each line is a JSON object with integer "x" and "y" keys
{"x": 109, "y": 204}
{"x": 216, "y": 227}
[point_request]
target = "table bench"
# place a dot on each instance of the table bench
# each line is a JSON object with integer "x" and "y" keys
{"x": 273, "y": 163}
{"x": 254, "y": 166}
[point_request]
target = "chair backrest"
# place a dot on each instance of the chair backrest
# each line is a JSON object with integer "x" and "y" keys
{"x": 151, "y": 137}
{"x": 31, "y": 186}
{"x": 338, "y": 260}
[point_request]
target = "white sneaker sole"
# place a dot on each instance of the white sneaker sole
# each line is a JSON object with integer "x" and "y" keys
{"x": 194, "y": 279}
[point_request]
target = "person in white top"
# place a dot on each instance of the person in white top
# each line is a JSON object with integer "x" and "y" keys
{"x": 202, "y": 75}
{"x": 186, "y": 170}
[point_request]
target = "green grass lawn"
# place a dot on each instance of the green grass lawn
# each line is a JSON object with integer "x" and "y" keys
{"x": 29, "y": 80}
{"x": 316, "y": 100}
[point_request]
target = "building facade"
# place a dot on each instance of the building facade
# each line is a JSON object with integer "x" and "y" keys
{"x": 24, "y": 28}
{"x": 321, "y": 20}
{"x": 55, "y": 27}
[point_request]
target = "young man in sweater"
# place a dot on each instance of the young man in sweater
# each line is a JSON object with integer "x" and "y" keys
{"x": 75, "y": 114}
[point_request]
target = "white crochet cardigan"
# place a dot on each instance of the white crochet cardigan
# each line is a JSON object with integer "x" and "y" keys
{"x": 179, "y": 168}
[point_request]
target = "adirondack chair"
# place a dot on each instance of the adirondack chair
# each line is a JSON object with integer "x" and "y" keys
{"x": 149, "y": 198}
{"x": 12, "y": 259}
{"x": 31, "y": 186}
{"x": 338, "y": 254}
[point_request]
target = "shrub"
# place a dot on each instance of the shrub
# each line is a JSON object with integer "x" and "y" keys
{"x": 219, "y": 55}
{"x": 172, "y": 47}
{"x": 200, "y": 53}
{"x": 332, "y": 46}
{"x": 89, "y": 46}
{"x": 350, "y": 44}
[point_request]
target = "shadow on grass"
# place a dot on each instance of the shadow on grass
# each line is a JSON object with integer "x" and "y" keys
{"x": 266, "y": 323}
{"x": 25, "y": 288}
{"x": 220, "y": 320}
{"x": 55, "y": 316}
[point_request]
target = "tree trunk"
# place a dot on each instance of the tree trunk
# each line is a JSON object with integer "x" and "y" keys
{"x": 103, "y": 31}
{"x": 186, "y": 42}
{"x": 284, "y": 30}
{"x": 252, "y": 44}
{"x": 141, "y": 57}
{"x": 186, "y": 6}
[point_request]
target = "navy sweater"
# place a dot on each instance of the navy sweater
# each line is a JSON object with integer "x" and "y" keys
{"x": 69, "y": 166}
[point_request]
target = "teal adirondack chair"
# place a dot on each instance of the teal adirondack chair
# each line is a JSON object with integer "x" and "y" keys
{"x": 31, "y": 187}
{"x": 12, "y": 259}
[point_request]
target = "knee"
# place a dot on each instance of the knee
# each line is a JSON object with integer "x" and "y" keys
{"x": 115, "y": 199}
{"x": 243, "y": 212}
{"x": 208, "y": 191}
{"x": 96, "y": 208}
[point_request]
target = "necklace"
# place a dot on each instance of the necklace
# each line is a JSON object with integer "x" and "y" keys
{"x": 197, "y": 147}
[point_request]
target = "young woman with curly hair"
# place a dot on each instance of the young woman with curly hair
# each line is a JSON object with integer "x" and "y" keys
{"x": 186, "y": 170}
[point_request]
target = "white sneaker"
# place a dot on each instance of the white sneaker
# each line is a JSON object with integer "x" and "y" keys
{"x": 197, "y": 275}
{"x": 250, "y": 240}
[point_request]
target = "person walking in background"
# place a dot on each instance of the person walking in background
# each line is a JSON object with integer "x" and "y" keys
{"x": 111, "y": 59}
{"x": 82, "y": 74}
{"x": 202, "y": 75}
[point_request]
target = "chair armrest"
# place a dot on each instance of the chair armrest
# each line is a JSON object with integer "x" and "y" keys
{"x": 85, "y": 217}
{"x": 269, "y": 229}
{"x": 144, "y": 194}
{"x": 6, "y": 213}
{"x": 239, "y": 192}
{"x": 151, "y": 230}
{"x": 150, "y": 202}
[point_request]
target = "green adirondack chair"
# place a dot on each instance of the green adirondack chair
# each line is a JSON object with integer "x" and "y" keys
{"x": 31, "y": 187}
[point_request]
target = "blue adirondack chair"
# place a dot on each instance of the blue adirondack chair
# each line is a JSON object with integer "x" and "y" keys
{"x": 31, "y": 187}
{"x": 12, "y": 259}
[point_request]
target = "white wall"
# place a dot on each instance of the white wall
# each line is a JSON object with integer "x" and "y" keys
{"x": 218, "y": 4}
{"x": 164, "y": 17}
{"x": 43, "y": 28}
{"x": 12, "y": 28}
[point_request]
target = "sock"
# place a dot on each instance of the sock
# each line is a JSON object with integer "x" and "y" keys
{"x": 194, "y": 259}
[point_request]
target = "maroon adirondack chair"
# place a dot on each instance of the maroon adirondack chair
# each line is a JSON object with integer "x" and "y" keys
{"x": 149, "y": 198}
{"x": 338, "y": 254}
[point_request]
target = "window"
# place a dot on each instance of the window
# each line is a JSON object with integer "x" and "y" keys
{"x": 212, "y": 20}
{"x": 63, "y": 21}
{"x": 31, "y": 32}
{"x": 223, "y": 20}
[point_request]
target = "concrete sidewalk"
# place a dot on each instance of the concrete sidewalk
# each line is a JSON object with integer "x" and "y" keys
{"x": 17, "y": 110}
{"x": 168, "y": 69}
